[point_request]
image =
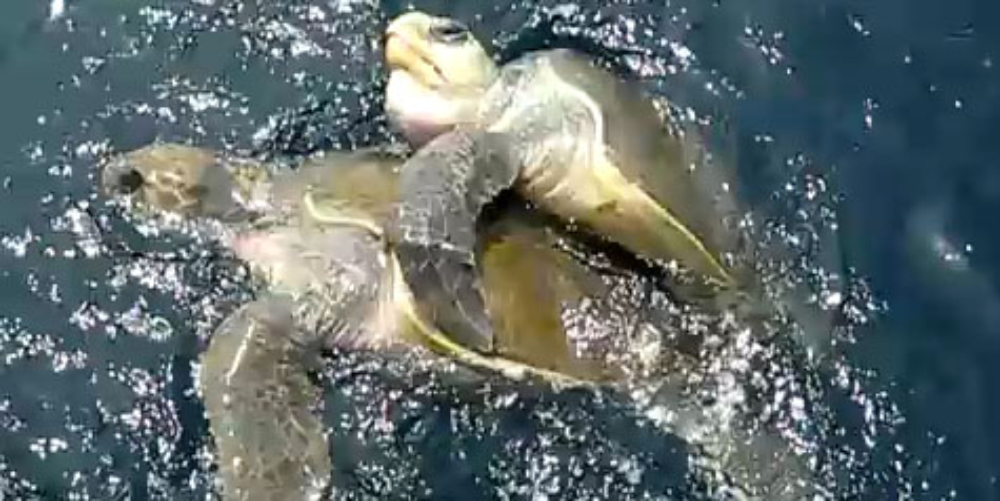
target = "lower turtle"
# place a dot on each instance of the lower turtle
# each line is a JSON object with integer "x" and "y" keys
{"x": 331, "y": 279}
{"x": 315, "y": 237}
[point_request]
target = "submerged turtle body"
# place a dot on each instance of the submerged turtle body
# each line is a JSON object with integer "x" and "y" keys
{"x": 566, "y": 135}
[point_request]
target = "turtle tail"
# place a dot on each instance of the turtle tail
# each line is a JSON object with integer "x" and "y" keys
{"x": 444, "y": 190}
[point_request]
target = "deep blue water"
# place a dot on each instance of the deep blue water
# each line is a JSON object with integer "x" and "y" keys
{"x": 896, "y": 104}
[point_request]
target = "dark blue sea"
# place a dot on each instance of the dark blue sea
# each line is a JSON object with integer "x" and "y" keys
{"x": 888, "y": 111}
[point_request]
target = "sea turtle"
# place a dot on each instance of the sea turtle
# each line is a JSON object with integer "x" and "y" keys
{"x": 315, "y": 236}
{"x": 363, "y": 251}
{"x": 567, "y": 135}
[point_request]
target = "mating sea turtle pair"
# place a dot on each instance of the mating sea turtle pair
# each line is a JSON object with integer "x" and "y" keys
{"x": 368, "y": 250}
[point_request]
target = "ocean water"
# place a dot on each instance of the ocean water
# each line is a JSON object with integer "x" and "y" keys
{"x": 877, "y": 118}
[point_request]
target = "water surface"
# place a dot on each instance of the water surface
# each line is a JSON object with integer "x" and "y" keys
{"x": 892, "y": 107}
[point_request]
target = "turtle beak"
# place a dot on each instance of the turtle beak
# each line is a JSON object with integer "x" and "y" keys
{"x": 407, "y": 50}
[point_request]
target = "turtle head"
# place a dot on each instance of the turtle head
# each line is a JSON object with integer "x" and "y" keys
{"x": 172, "y": 178}
{"x": 438, "y": 74}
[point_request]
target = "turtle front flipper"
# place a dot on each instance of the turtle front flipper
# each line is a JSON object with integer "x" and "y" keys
{"x": 183, "y": 179}
{"x": 444, "y": 188}
{"x": 257, "y": 397}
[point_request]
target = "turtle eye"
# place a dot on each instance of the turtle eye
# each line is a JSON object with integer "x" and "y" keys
{"x": 449, "y": 32}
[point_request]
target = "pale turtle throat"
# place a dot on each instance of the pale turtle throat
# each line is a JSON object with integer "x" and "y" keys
{"x": 421, "y": 113}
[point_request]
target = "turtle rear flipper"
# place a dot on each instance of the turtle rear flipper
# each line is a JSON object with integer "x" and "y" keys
{"x": 257, "y": 397}
{"x": 183, "y": 179}
{"x": 434, "y": 232}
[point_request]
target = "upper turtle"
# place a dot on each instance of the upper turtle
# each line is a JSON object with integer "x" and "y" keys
{"x": 562, "y": 132}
